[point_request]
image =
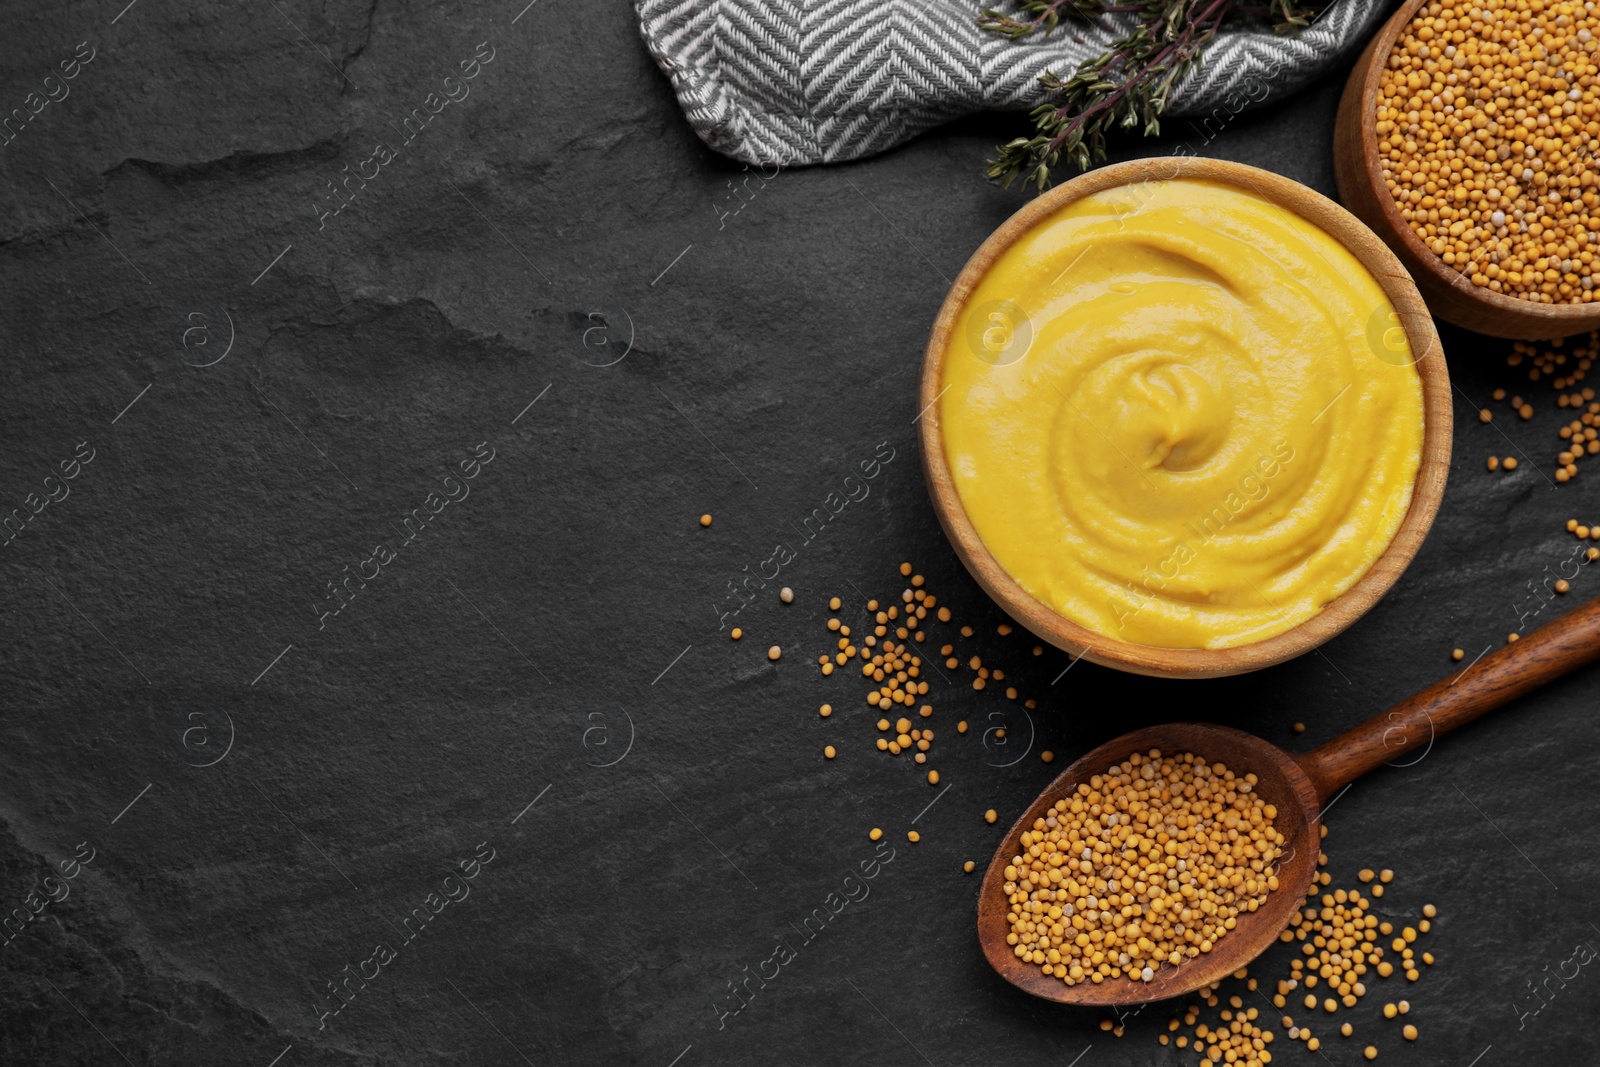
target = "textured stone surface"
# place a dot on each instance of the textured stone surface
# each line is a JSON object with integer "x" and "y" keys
{"x": 520, "y": 641}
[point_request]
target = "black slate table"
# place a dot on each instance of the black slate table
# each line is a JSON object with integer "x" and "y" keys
{"x": 365, "y": 696}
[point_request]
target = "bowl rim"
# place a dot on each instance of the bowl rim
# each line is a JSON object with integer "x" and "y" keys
{"x": 1370, "y": 69}
{"x": 1339, "y": 613}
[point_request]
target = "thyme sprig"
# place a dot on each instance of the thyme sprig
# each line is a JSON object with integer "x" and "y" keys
{"x": 1128, "y": 86}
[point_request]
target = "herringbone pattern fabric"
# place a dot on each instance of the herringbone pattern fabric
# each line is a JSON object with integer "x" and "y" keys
{"x": 814, "y": 81}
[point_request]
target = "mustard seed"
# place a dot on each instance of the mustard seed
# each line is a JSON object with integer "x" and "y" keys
{"x": 969, "y": 866}
{"x": 1176, "y": 924}
{"x": 1458, "y": 655}
{"x": 1047, "y": 756}
{"x": 875, "y": 833}
{"x": 786, "y": 595}
{"x": 705, "y": 520}
{"x": 933, "y": 777}
{"x": 913, "y": 837}
{"x": 774, "y": 652}
{"x": 828, "y": 751}
{"x": 990, "y": 816}
{"x": 1409, "y": 1032}
{"x": 1370, "y": 1052}
{"x": 1299, "y": 727}
{"x": 737, "y": 633}
{"x": 826, "y": 710}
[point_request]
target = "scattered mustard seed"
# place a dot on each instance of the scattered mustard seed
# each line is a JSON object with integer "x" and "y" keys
{"x": 1047, "y": 756}
{"x": 913, "y": 836}
{"x": 1370, "y": 1052}
{"x": 933, "y": 777}
{"x": 826, "y": 710}
{"x": 1509, "y": 463}
{"x": 1409, "y": 1032}
{"x": 990, "y": 816}
{"x": 1458, "y": 654}
{"x": 774, "y": 652}
{"x": 786, "y": 595}
{"x": 834, "y": 603}
{"x": 969, "y": 866}
{"x": 1299, "y": 727}
{"x": 1484, "y": 414}
{"x": 1346, "y": 1030}
{"x": 829, "y": 751}
{"x": 705, "y": 520}
{"x": 875, "y": 833}
{"x": 1493, "y": 463}
{"x": 737, "y": 633}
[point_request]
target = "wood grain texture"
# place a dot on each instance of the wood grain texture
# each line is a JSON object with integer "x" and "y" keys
{"x": 1339, "y": 613}
{"x": 1297, "y": 785}
{"x": 1450, "y": 295}
{"x": 1503, "y": 675}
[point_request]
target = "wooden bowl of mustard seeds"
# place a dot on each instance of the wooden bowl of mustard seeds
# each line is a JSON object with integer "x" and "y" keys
{"x": 1358, "y": 169}
{"x": 1335, "y": 616}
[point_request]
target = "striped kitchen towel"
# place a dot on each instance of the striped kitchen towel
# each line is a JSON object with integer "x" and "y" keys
{"x": 817, "y": 81}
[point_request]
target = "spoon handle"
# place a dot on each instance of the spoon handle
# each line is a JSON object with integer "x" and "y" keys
{"x": 1404, "y": 732}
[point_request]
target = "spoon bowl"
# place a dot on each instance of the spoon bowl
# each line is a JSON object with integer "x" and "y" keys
{"x": 1297, "y": 785}
{"x": 1282, "y": 782}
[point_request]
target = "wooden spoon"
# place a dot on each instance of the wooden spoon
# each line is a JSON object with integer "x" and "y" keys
{"x": 1298, "y": 785}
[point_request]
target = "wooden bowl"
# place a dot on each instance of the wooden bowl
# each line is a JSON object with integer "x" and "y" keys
{"x": 1450, "y": 295}
{"x": 1339, "y": 613}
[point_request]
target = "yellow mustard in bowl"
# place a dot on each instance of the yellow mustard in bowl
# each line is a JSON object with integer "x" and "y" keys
{"x": 1181, "y": 415}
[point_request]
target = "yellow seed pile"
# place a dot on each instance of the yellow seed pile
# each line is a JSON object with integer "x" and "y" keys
{"x": 1340, "y": 949}
{"x": 1237, "y": 1040}
{"x": 889, "y": 659}
{"x": 1486, "y": 128}
{"x": 1564, "y": 368}
{"x": 1146, "y": 865}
